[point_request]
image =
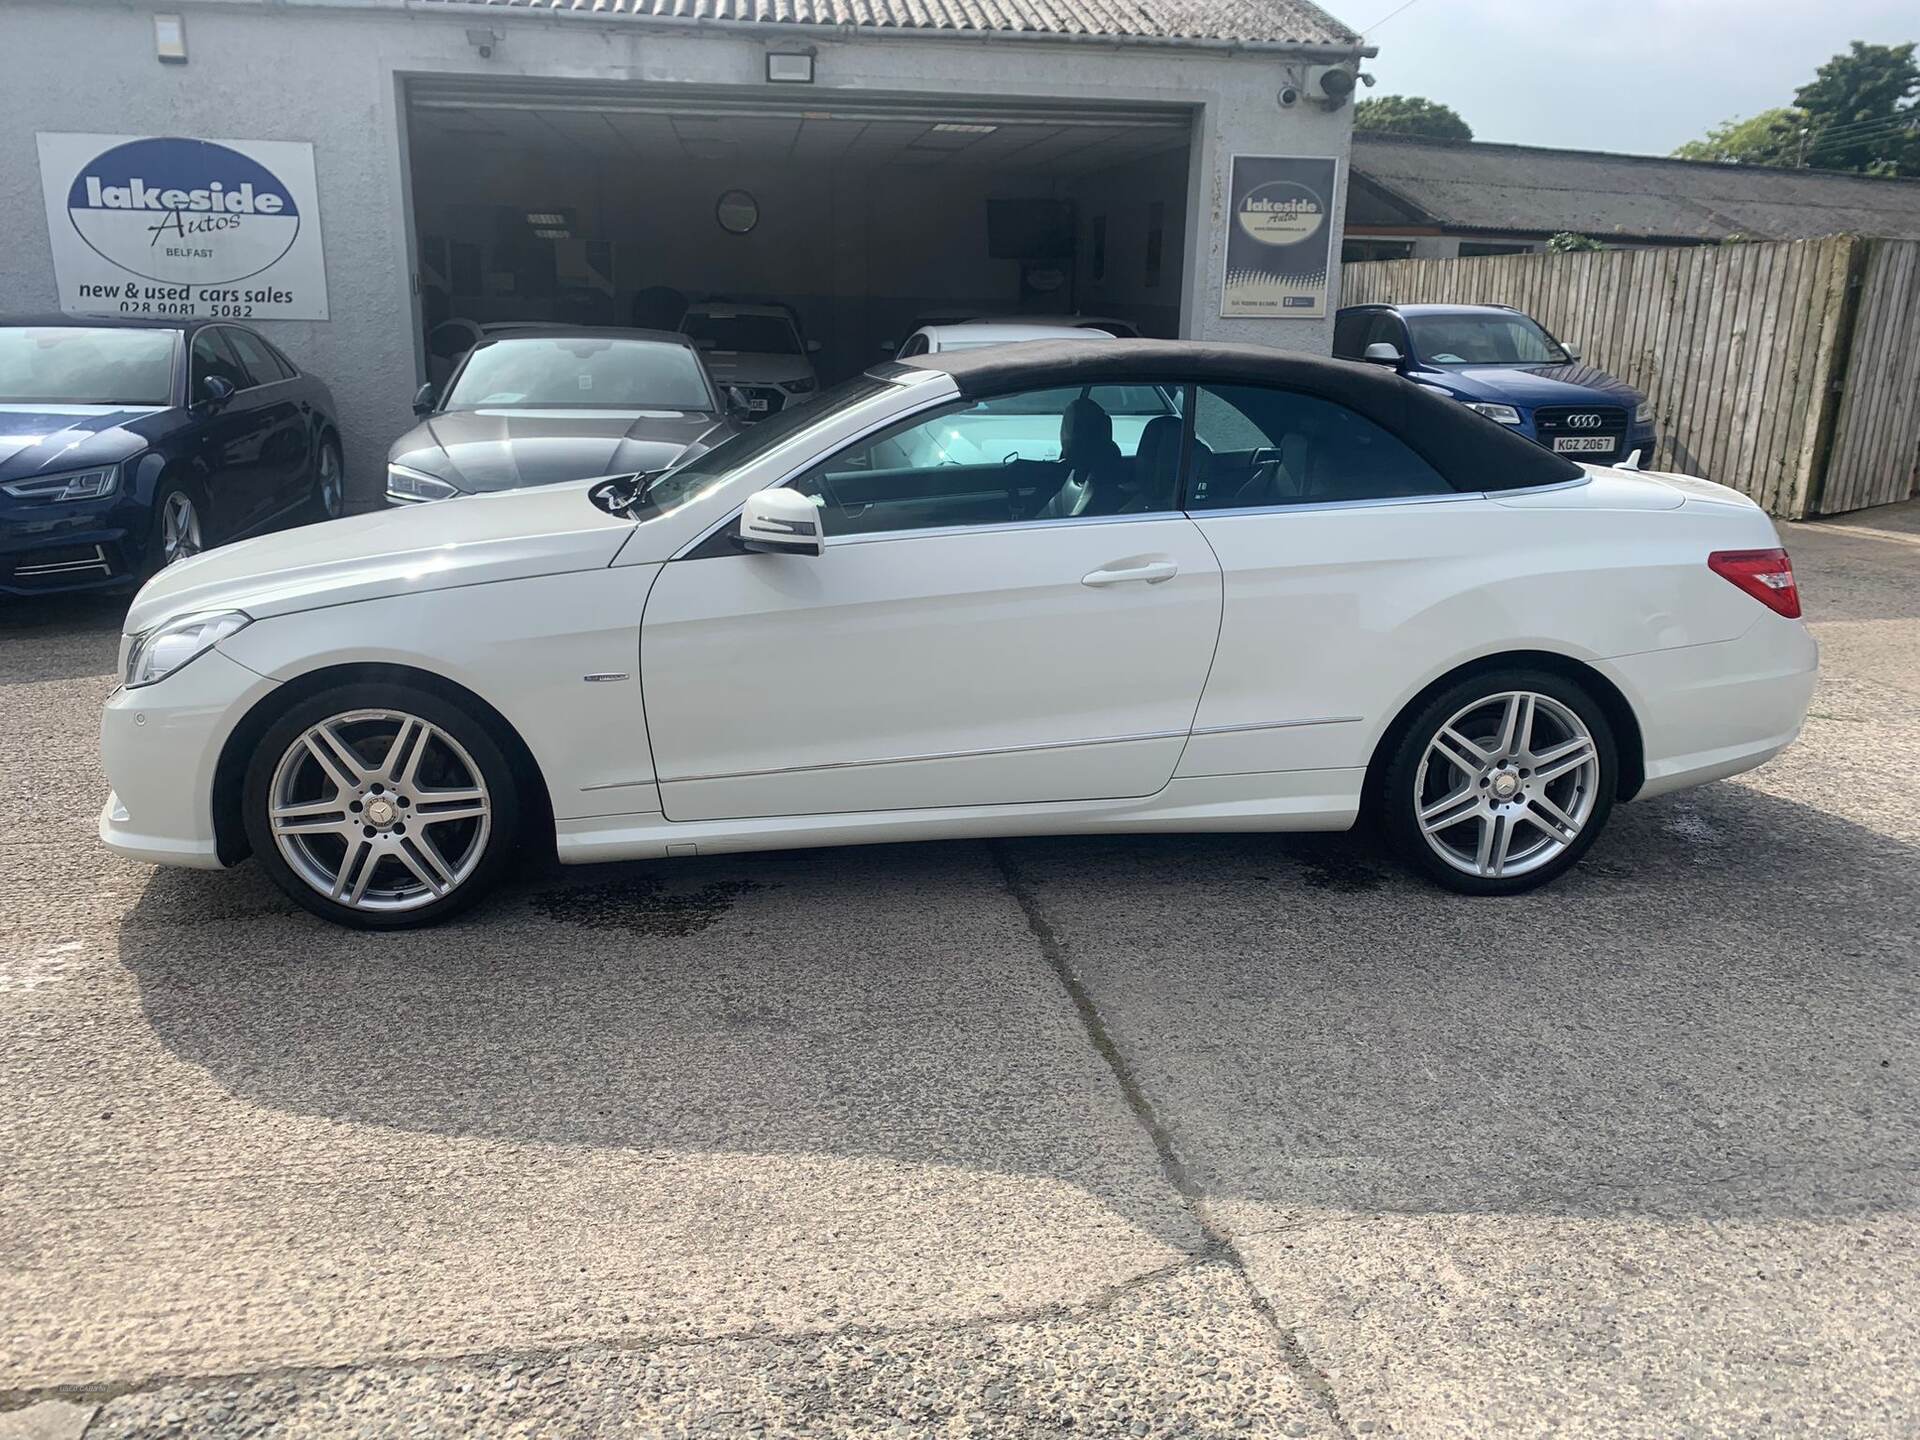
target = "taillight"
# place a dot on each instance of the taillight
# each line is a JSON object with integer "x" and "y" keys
{"x": 1767, "y": 575}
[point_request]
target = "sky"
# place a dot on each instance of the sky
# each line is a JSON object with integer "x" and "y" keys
{"x": 1632, "y": 75}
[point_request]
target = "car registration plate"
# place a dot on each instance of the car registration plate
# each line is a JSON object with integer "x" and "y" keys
{"x": 756, "y": 404}
{"x": 1583, "y": 444}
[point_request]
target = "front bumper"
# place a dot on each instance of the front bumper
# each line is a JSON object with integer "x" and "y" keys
{"x": 160, "y": 746}
{"x": 53, "y": 549}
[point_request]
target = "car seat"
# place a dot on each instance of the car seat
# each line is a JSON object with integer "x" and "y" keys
{"x": 1094, "y": 464}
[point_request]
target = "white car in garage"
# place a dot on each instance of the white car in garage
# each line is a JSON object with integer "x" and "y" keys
{"x": 756, "y": 350}
{"x": 1306, "y": 590}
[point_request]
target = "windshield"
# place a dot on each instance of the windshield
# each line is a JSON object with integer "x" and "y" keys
{"x": 581, "y": 372}
{"x": 69, "y": 365}
{"x": 693, "y": 478}
{"x": 760, "y": 334}
{"x": 1482, "y": 340}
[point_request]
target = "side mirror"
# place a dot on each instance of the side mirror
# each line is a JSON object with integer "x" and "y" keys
{"x": 1381, "y": 353}
{"x": 780, "y": 522}
{"x": 892, "y": 347}
{"x": 423, "y": 399}
{"x": 1573, "y": 351}
{"x": 813, "y": 347}
{"x": 739, "y": 403}
{"x": 215, "y": 390}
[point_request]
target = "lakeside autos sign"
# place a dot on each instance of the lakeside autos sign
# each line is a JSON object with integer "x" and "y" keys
{"x": 162, "y": 225}
{"x": 1280, "y": 243}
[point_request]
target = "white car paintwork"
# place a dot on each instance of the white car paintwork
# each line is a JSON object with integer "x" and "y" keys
{"x": 968, "y": 681}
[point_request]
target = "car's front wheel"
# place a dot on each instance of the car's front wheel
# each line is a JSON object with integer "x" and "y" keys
{"x": 1501, "y": 782}
{"x": 381, "y": 806}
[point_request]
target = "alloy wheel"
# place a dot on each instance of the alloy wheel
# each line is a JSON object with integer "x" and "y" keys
{"x": 379, "y": 810}
{"x": 1507, "y": 784}
{"x": 179, "y": 528}
{"x": 330, "y": 485}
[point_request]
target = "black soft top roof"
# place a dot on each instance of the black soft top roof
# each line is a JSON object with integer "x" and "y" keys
{"x": 1472, "y": 452}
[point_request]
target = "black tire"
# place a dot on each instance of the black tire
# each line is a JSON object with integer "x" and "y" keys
{"x": 474, "y": 745}
{"x": 155, "y": 560}
{"x": 1528, "y": 815}
{"x": 323, "y": 507}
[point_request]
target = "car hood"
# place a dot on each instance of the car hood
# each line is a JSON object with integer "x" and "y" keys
{"x": 472, "y": 541}
{"x": 44, "y": 439}
{"x": 1532, "y": 385}
{"x": 505, "y": 449}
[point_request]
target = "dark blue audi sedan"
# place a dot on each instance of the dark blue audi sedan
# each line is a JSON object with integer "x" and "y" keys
{"x": 127, "y": 444}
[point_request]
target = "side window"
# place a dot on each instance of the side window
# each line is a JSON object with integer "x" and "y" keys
{"x": 254, "y": 356}
{"x": 1348, "y": 326}
{"x": 1056, "y": 454}
{"x": 916, "y": 346}
{"x": 1255, "y": 446}
{"x": 210, "y": 356}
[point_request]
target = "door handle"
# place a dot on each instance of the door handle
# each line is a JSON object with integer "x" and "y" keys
{"x": 1151, "y": 572}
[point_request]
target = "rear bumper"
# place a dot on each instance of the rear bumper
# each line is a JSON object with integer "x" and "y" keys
{"x": 1709, "y": 711}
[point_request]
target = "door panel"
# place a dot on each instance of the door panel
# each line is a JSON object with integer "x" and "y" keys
{"x": 233, "y": 439}
{"x": 286, "y": 461}
{"x": 915, "y": 670}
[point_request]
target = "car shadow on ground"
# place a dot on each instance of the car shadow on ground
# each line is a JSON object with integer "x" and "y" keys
{"x": 1714, "y": 1015}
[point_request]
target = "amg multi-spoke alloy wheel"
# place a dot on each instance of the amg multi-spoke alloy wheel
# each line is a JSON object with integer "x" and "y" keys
{"x": 1502, "y": 782}
{"x": 380, "y": 806}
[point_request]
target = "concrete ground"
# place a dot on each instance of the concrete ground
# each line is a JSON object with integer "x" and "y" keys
{"x": 1171, "y": 1136}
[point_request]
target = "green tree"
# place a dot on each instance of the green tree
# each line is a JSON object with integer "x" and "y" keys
{"x": 1861, "y": 111}
{"x": 1566, "y": 243}
{"x": 1410, "y": 115}
{"x": 1773, "y": 137}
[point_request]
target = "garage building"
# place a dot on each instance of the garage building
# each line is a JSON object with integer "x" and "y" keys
{"x": 848, "y": 168}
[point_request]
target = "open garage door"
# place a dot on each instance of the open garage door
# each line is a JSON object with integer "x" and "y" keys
{"x": 825, "y": 221}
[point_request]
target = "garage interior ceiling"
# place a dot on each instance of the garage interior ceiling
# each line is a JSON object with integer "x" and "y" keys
{"x": 820, "y": 126}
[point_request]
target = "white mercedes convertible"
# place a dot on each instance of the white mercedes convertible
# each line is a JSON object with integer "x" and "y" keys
{"x": 1056, "y": 588}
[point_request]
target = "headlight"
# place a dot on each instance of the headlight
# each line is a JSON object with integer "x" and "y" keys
{"x": 797, "y": 387}
{"x": 1643, "y": 413}
{"x": 1505, "y": 414}
{"x": 95, "y": 484}
{"x": 412, "y": 486}
{"x": 155, "y": 654}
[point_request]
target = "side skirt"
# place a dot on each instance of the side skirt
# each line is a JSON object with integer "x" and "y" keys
{"x": 1276, "y": 800}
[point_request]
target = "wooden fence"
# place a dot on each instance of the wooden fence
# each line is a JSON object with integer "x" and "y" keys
{"x": 1790, "y": 371}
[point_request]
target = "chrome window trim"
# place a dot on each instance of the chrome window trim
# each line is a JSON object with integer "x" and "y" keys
{"x": 998, "y": 527}
{"x": 936, "y": 755}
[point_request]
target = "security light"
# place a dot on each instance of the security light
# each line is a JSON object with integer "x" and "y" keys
{"x": 789, "y": 68}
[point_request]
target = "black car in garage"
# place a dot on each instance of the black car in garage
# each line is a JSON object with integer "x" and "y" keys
{"x": 127, "y": 444}
{"x": 536, "y": 406}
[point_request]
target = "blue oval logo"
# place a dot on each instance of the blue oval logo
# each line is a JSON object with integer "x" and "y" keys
{"x": 183, "y": 212}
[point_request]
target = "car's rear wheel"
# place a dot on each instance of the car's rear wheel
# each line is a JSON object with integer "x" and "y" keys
{"x": 1501, "y": 782}
{"x": 329, "y": 482}
{"x": 381, "y": 806}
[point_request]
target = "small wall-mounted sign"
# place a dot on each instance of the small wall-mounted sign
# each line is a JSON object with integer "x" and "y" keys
{"x": 1280, "y": 237}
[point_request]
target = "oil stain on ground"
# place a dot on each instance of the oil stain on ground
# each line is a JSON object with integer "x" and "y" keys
{"x": 641, "y": 905}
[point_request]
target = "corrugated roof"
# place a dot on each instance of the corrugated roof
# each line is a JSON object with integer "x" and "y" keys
{"x": 1520, "y": 189}
{"x": 1253, "y": 22}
